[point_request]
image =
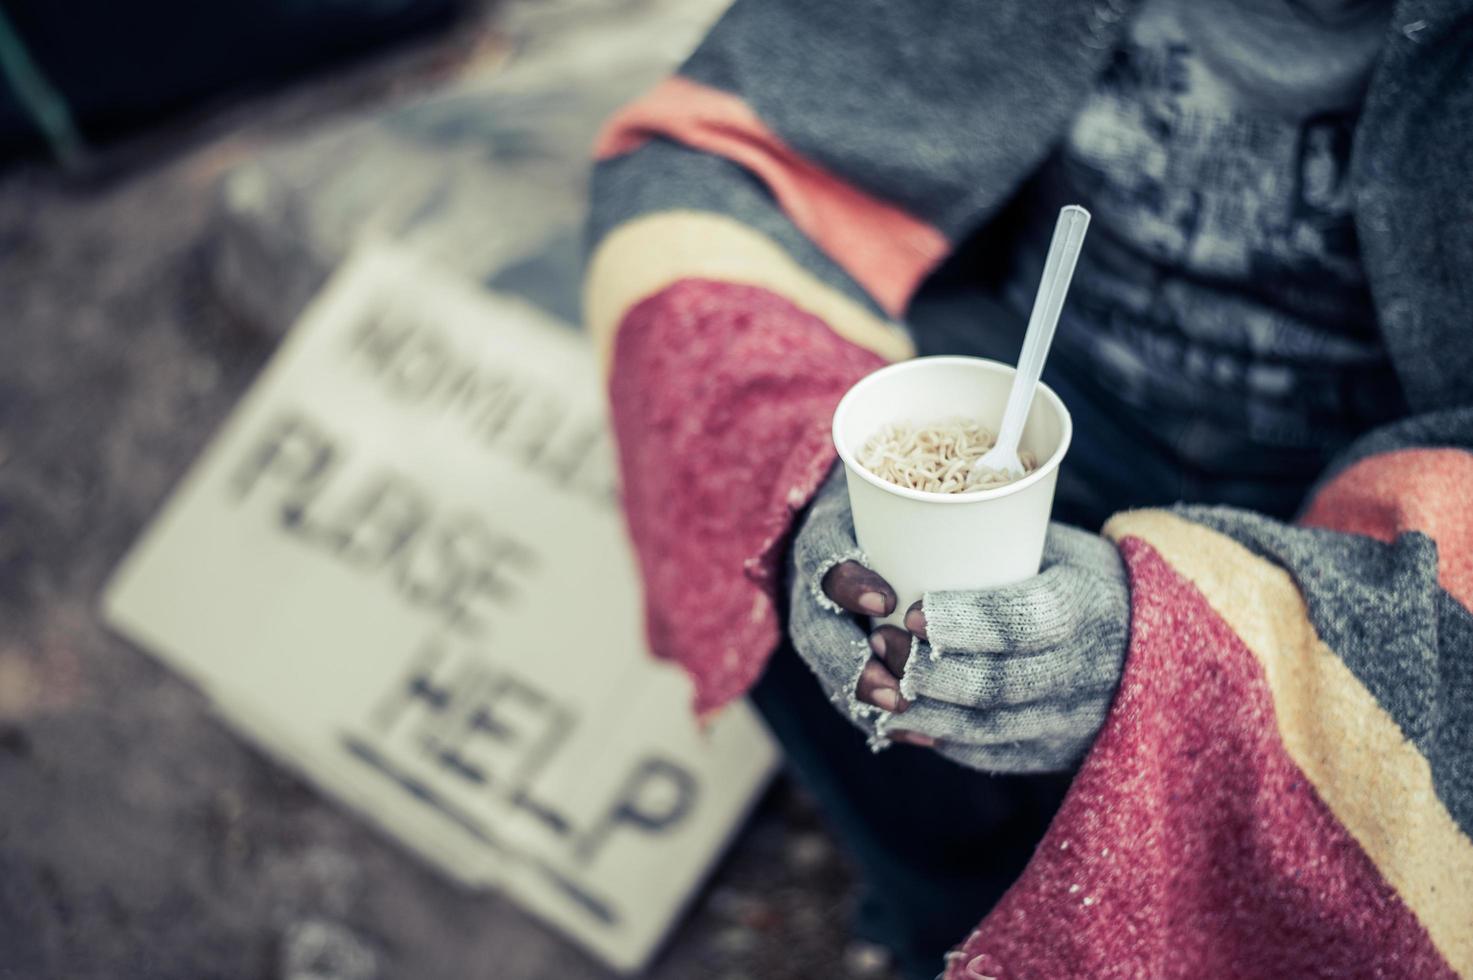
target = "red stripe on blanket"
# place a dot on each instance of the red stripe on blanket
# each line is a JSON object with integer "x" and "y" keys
{"x": 722, "y": 397}
{"x": 1190, "y": 844}
{"x": 886, "y": 250}
{"x": 1425, "y": 490}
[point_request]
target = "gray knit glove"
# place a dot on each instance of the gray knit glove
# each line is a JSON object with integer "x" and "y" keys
{"x": 1013, "y": 679}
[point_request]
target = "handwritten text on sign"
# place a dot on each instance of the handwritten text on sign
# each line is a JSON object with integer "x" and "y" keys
{"x": 401, "y": 568}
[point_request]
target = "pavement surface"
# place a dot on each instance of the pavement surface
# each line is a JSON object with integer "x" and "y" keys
{"x": 138, "y": 836}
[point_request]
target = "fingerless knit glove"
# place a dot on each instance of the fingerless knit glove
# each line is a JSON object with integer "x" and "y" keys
{"x": 1012, "y": 679}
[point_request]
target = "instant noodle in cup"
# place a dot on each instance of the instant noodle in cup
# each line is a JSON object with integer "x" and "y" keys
{"x": 924, "y": 541}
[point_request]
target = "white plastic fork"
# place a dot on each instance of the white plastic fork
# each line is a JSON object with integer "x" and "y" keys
{"x": 1058, "y": 272}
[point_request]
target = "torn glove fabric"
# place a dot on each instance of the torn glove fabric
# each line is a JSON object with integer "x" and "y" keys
{"x": 1013, "y": 679}
{"x": 829, "y": 640}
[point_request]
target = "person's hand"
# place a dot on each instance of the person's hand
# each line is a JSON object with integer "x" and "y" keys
{"x": 824, "y": 629}
{"x": 1017, "y": 678}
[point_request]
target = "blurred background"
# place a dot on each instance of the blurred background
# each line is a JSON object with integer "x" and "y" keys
{"x": 177, "y": 179}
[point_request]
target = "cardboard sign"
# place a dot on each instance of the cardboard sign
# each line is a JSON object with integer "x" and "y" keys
{"x": 401, "y": 568}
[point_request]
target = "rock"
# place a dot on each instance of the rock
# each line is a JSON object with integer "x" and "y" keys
{"x": 20, "y": 687}
{"x": 866, "y": 961}
{"x": 315, "y": 949}
{"x": 809, "y": 851}
{"x": 735, "y": 940}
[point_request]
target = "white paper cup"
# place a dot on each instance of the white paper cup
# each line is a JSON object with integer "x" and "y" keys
{"x": 931, "y": 542}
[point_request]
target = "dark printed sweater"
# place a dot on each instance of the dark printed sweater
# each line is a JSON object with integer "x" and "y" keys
{"x": 1221, "y": 308}
{"x": 1284, "y": 785}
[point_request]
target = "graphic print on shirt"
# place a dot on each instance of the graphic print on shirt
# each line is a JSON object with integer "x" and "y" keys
{"x": 1222, "y": 293}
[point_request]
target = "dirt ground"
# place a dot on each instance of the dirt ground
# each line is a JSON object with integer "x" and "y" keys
{"x": 138, "y": 836}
